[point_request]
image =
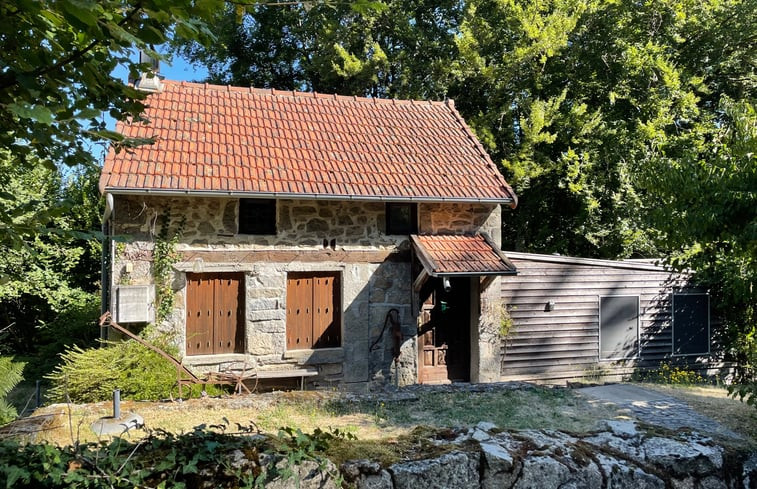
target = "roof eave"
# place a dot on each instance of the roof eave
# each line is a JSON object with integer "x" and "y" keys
{"x": 290, "y": 195}
{"x": 473, "y": 274}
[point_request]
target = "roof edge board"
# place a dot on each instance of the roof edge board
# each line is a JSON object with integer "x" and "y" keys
{"x": 475, "y": 274}
{"x": 287, "y": 195}
{"x": 587, "y": 261}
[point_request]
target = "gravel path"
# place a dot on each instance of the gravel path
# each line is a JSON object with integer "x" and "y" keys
{"x": 656, "y": 409}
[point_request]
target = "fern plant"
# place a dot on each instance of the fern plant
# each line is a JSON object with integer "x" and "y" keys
{"x": 10, "y": 376}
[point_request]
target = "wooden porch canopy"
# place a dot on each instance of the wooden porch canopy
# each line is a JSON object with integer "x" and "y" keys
{"x": 454, "y": 255}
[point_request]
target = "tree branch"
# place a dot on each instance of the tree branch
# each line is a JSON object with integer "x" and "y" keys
{"x": 76, "y": 54}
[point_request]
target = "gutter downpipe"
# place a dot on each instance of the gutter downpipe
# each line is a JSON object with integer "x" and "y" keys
{"x": 105, "y": 258}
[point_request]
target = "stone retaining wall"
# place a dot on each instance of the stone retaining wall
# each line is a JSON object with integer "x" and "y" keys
{"x": 624, "y": 457}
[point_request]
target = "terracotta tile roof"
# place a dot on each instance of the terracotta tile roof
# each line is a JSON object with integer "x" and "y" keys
{"x": 461, "y": 254}
{"x": 249, "y": 141}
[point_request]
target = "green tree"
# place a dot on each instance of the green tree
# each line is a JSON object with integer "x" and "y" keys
{"x": 710, "y": 221}
{"x": 398, "y": 48}
{"x": 56, "y": 75}
{"x": 51, "y": 281}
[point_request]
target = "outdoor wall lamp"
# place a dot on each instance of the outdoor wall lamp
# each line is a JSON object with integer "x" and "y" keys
{"x": 550, "y": 306}
{"x": 446, "y": 284}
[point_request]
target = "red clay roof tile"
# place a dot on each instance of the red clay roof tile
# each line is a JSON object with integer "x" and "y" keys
{"x": 460, "y": 254}
{"x": 302, "y": 144}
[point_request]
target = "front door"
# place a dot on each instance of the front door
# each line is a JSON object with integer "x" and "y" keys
{"x": 444, "y": 336}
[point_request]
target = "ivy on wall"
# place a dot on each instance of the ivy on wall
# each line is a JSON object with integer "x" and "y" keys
{"x": 165, "y": 257}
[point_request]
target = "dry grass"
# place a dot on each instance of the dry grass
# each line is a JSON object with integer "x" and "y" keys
{"x": 387, "y": 421}
{"x": 714, "y": 402}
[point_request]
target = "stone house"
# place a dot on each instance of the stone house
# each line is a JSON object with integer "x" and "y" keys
{"x": 357, "y": 237}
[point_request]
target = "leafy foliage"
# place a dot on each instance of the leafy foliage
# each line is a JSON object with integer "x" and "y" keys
{"x": 10, "y": 376}
{"x": 710, "y": 222}
{"x": 164, "y": 257}
{"x": 56, "y": 81}
{"x": 395, "y": 48}
{"x": 49, "y": 286}
{"x": 161, "y": 459}
{"x": 91, "y": 375}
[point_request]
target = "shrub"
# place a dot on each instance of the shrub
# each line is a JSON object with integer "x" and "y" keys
{"x": 91, "y": 375}
{"x": 668, "y": 374}
{"x": 204, "y": 456}
{"x": 10, "y": 376}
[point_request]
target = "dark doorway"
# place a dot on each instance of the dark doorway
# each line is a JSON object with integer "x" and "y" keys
{"x": 444, "y": 337}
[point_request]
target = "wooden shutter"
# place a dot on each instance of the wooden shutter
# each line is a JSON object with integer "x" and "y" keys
{"x": 326, "y": 328}
{"x": 199, "y": 314}
{"x": 214, "y": 314}
{"x": 299, "y": 312}
{"x": 313, "y": 311}
{"x": 227, "y": 335}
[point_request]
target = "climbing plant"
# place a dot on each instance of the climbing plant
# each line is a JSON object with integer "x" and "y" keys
{"x": 165, "y": 257}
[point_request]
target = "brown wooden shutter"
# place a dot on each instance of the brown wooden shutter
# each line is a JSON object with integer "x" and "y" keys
{"x": 227, "y": 314}
{"x": 214, "y": 314}
{"x": 199, "y": 315}
{"x": 326, "y": 328}
{"x": 299, "y": 312}
{"x": 313, "y": 311}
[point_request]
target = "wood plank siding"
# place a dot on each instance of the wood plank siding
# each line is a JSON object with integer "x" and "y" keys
{"x": 554, "y": 306}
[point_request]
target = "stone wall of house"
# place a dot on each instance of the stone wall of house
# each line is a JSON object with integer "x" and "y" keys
{"x": 370, "y": 288}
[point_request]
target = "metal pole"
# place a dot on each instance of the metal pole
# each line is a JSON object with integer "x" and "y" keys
{"x": 37, "y": 396}
{"x": 117, "y": 404}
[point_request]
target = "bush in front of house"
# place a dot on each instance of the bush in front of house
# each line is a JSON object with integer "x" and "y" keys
{"x": 91, "y": 375}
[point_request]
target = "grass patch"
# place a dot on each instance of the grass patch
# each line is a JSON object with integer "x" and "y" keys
{"x": 383, "y": 423}
{"x": 714, "y": 402}
{"x": 540, "y": 408}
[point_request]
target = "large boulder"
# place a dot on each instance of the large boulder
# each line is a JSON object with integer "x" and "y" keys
{"x": 452, "y": 470}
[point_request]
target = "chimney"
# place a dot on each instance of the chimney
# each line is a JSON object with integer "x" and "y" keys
{"x": 149, "y": 81}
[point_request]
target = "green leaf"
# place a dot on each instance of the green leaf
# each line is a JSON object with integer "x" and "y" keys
{"x": 89, "y": 113}
{"x": 84, "y": 12}
{"x": 35, "y": 112}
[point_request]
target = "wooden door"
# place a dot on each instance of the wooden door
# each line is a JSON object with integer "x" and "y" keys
{"x": 215, "y": 314}
{"x": 444, "y": 337}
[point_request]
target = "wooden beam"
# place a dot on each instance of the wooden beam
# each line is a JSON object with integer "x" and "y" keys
{"x": 486, "y": 281}
{"x": 426, "y": 260}
{"x": 420, "y": 280}
{"x": 286, "y": 256}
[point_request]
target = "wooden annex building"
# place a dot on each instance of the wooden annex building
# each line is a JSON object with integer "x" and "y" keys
{"x": 577, "y": 317}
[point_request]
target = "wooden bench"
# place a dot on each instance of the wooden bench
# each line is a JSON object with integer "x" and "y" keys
{"x": 283, "y": 374}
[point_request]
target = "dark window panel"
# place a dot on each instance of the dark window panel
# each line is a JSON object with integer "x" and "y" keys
{"x": 401, "y": 218}
{"x": 257, "y": 216}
